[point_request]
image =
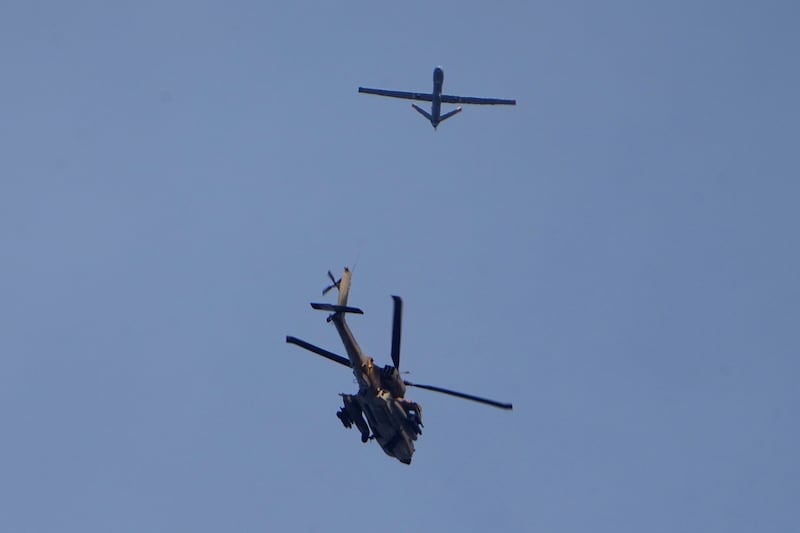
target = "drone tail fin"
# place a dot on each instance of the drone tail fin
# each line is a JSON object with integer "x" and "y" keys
{"x": 449, "y": 114}
{"x": 423, "y": 112}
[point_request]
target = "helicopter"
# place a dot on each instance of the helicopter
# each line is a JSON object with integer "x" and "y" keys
{"x": 379, "y": 409}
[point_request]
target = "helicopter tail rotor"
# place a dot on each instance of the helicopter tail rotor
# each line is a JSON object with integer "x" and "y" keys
{"x": 335, "y": 283}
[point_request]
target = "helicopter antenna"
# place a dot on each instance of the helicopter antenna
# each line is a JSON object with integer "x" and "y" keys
{"x": 355, "y": 263}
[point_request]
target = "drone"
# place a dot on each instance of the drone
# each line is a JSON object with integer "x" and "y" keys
{"x": 379, "y": 409}
{"x": 436, "y": 98}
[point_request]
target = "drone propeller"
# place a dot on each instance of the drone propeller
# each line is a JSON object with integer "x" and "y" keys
{"x": 478, "y": 399}
{"x": 332, "y": 285}
{"x": 397, "y": 325}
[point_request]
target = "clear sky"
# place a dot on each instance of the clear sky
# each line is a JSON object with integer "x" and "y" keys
{"x": 617, "y": 256}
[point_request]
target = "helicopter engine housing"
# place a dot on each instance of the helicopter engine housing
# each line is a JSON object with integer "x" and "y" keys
{"x": 392, "y": 382}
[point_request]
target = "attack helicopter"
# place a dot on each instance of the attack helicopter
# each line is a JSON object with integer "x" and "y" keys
{"x": 379, "y": 409}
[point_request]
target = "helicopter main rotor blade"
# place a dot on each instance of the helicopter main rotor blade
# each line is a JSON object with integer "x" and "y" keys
{"x": 397, "y": 326}
{"x": 478, "y": 399}
{"x": 319, "y": 351}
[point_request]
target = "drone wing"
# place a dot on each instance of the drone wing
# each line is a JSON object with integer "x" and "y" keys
{"x": 427, "y": 97}
{"x": 450, "y": 99}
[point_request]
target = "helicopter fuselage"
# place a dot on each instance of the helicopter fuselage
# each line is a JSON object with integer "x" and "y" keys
{"x": 394, "y": 421}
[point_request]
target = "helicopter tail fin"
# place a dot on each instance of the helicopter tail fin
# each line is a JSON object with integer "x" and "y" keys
{"x": 344, "y": 287}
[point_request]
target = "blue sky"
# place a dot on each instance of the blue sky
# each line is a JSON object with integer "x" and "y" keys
{"x": 617, "y": 256}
